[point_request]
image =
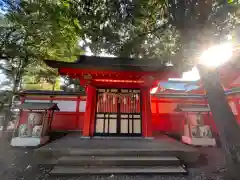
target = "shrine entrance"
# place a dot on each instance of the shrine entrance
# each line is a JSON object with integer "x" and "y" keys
{"x": 118, "y": 113}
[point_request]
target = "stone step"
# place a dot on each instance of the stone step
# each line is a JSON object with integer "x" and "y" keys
{"x": 74, "y": 170}
{"x": 122, "y": 152}
{"x": 118, "y": 161}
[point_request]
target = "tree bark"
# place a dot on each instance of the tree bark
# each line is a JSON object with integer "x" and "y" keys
{"x": 17, "y": 76}
{"x": 229, "y": 130}
{"x": 54, "y": 84}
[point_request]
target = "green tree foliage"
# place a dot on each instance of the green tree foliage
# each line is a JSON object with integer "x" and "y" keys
{"x": 48, "y": 30}
{"x": 38, "y": 76}
{"x": 172, "y": 30}
{"x": 71, "y": 85}
{"x": 33, "y": 31}
{"x": 126, "y": 28}
{"x": 37, "y": 30}
{"x": 164, "y": 30}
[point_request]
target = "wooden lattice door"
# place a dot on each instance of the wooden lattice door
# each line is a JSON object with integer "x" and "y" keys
{"x": 118, "y": 112}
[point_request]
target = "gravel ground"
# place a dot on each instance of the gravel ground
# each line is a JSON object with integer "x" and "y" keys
{"x": 18, "y": 164}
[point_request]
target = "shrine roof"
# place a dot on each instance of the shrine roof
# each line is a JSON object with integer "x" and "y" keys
{"x": 38, "y": 106}
{"x": 179, "y": 95}
{"x": 110, "y": 63}
{"x": 192, "y": 108}
{"x": 47, "y": 92}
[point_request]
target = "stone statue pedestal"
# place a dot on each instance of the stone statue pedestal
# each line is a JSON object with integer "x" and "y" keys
{"x": 202, "y": 139}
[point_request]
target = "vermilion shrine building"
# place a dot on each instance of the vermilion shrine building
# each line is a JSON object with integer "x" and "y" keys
{"x": 118, "y": 100}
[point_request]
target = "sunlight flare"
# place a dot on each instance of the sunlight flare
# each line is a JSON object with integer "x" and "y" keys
{"x": 216, "y": 55}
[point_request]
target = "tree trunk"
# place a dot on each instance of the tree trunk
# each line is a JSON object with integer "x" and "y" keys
{"x": 8, "y": 114}
{"x": 17, "y": 76}
{"x": 229, "y": 130}
{"x": 54, "y": 84}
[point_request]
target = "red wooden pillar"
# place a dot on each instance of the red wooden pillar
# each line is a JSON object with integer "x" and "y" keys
{"x": 89, "y": 113}
{"x": 146, "y": 112}
{"x": 93, "y": 114}
{"x": 143, "y": 107}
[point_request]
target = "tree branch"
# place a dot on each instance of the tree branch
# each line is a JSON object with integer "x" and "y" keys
{"x": 165, "y": 25}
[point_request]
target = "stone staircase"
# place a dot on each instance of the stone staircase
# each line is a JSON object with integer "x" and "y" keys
{"x": 117, "y": 161}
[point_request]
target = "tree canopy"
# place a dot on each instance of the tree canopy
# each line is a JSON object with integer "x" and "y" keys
{"x": 126, "y": 28}
{"x": 43, "y": 28}
{"x": 173, "y": 31}
{"x": 32, "y": 31}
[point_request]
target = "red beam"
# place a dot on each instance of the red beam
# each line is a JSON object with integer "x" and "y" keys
{"x": 117, "y": 85}
{"x": 179, "y": 101}
{"x": 133, "y": 75}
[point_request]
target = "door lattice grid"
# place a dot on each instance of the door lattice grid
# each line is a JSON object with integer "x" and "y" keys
{"x": 118, "y": 112}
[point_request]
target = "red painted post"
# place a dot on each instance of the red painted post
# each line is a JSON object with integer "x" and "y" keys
{"x": 88, "y": 113}
{"x": 94, "y": 108}
{"x": 146, "y": 112}
{"x": 143, "y": 109}
{"x": 149, "y": 113}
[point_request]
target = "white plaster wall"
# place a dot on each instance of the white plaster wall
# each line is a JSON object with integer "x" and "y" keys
{"x": 37, "y": 100}
{"x": 82, "y": 106}
{"x": 66, "y": 106}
